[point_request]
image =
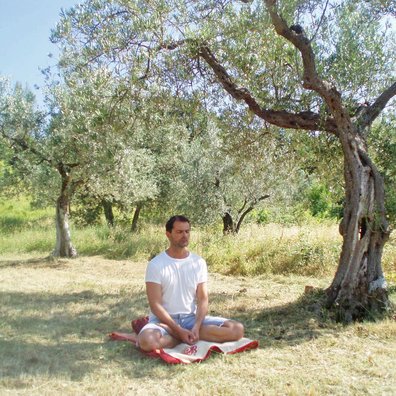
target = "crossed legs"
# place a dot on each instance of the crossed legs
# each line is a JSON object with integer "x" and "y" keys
{"x": 151, "y": 339}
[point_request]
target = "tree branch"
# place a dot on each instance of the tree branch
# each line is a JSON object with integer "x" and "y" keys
{"x": 311, "y": 79}
{"x": 172, "y": 45}
{"x": 24, "y": 146}
{"x": 320, "y": 22}
{"x": 296, "y": 37}
{"x": 263, "y": 197}
{"x": 248, "y": 210}
{"x": 306, "y": 120}
{"x": 370, "y": 113}
{"x": 243, "y": 206}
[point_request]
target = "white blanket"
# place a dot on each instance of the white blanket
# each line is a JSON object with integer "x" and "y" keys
{"x": 184, "y": 353}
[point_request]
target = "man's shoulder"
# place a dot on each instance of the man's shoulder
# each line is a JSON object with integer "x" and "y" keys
{"x": 155, "y": 266}
{"x": 196, "y": 257}
{"x": 161, "y": 257}
{"x": 197, "y": 260}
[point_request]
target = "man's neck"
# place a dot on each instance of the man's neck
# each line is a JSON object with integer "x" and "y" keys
{"x": 177, "y": 253}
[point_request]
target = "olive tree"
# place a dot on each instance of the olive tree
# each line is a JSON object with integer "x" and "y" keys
{"x": 85, "y": 140}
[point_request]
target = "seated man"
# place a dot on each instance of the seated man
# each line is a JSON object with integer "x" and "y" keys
{"x": 177, "y": 294}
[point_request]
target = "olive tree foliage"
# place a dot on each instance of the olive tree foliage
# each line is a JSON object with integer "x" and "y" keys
{"x": 140, "y": 138}
{"x": 21, "y": 140}
{"x": 86, "y": 140}
{"x": 105, "y": 135}
{"x": 326, "y": 67}
{"x": 168, "y": 124}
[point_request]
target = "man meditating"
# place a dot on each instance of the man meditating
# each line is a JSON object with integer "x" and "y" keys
{"x": 176, "y": 286}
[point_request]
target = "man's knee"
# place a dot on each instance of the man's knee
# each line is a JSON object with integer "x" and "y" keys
{"x": 148, "y": 340}
{"x": 237, "y": 329}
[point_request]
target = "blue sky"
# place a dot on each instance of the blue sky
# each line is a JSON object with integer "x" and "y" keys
{"x": 25, "y": 27}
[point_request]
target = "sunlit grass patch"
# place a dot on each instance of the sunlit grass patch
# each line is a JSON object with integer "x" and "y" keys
{"x": 18, "y": 214}
{"x": 389, "y": 258}
{"x": 119, "y": 242}
{"x": 27, "y": 241}
{"x": 305, "y": 250}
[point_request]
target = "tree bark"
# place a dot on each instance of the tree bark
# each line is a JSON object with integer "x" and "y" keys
{"x": 63, "y": 246}
{"x": 359, "y": 286}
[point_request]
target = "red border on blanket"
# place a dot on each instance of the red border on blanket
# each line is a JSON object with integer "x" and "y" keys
{"x": 172, "y": 360}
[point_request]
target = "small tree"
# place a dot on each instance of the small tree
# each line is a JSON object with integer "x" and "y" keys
{"x": 86, "y": 141}
{"x": 229, "y": 170}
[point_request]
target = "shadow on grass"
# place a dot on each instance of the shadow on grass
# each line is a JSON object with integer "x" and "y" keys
{"x": 40, "y": 262}
{"x": 66, "y": 335}
{"x": 286, "y": 325}
{"x": 300, "y": 321}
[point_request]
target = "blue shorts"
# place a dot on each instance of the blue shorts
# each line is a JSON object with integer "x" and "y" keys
{"x": 186, "y": 321}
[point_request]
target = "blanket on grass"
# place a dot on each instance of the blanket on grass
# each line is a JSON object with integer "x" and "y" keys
{"x": 184, "y": 353}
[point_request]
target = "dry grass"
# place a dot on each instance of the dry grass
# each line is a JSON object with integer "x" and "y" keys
{"x": 308, "y": 250}
{"x": 56, "y": 314}
{"x": 301, "y": 250}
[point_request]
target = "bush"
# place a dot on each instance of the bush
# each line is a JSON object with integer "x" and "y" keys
{"x": 321, "y": 202}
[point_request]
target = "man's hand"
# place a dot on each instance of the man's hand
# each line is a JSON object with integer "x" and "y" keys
{"x": 186, "y": 336}
{"x": 195, "y": 332}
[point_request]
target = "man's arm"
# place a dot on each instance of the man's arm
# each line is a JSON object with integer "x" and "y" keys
{"x": 154, "y": 296}
{"x": 202, "y": 308}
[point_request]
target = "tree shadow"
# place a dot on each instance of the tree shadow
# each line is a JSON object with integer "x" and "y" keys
{"x": 66, "y": 335}
{"x": 41, "y": 262}
{"x": 285, "y": 325}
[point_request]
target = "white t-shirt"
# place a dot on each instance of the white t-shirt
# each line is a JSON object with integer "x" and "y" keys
{"x": 179, "y": 279}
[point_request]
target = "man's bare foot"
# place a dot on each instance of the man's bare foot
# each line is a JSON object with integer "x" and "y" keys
{"x": 132, "y": 337}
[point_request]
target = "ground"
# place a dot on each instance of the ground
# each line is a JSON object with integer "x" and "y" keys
{"x": 56, "y": 314}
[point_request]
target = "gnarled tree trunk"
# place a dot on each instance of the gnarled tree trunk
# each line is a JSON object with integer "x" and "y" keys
{"x": 359, "y": 285}
{"x": 63, "y": 246}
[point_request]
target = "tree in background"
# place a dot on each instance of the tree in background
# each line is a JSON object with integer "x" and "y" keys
{"x": 230, "y": 168}
{"x": 86, "y": 140}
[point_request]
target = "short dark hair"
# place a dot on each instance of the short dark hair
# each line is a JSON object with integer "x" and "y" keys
{"x": 171, "y": 221}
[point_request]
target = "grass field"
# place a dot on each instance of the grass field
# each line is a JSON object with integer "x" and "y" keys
{"x": 55, "y": 316}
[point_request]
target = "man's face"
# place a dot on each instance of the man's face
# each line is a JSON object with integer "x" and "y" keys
{"x": 180, "y": 234}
